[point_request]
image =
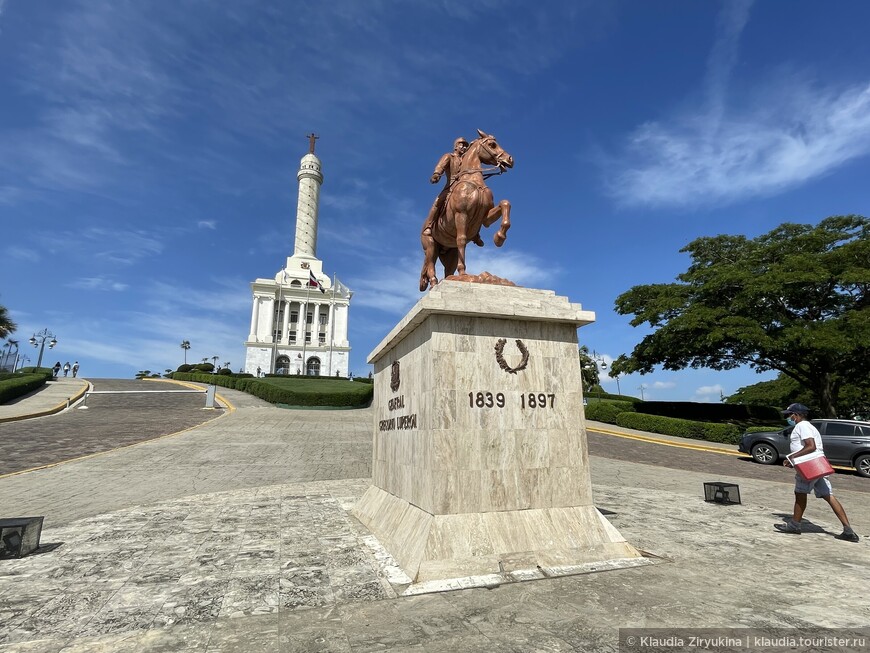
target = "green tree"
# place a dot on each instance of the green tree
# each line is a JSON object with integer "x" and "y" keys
{"x": 779, "y": 392}
{"x": 794, "y": 300}
{"x": 588, "y": 369}
{"x": 7, "y": 326}
{"x": 185, "y": 345}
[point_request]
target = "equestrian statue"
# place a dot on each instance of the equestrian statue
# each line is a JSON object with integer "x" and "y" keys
{"x": 464, "y": 206}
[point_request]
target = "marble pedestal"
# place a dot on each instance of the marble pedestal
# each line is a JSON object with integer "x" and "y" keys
{"x": 480, "y": 459}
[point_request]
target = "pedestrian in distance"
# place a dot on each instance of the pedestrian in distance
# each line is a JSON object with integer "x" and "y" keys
{"x": 66, "y": 368}
{"x": 805, "y": 438}
{"x": 56, "y": 369}
{"x": 75, "y": 369}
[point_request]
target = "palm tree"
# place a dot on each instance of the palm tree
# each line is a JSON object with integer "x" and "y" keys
{"x": 214, "y": 360}
{"x": 7, "y": 326}
{"x": 185, "y": 345}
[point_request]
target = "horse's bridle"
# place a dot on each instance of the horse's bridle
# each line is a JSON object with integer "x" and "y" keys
{"x": 486, "y": 172}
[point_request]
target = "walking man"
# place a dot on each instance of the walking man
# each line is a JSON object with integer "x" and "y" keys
{"x": 804, "y": 439}
{"x": 75, "y": 369}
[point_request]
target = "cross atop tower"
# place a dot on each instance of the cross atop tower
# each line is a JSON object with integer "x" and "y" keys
{"x": 311, "y": 138}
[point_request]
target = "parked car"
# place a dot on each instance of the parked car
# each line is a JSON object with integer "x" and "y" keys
{"x": 846, "y": 442}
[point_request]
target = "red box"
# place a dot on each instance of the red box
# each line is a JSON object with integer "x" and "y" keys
{"x": 812, "y": 465}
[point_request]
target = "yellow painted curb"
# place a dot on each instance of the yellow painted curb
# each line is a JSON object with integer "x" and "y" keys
{"x": 188, "y": 384}
{"x": 686, "y": 445}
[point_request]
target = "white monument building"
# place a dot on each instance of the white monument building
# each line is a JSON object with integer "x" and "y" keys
{"x": 299, "y": 317}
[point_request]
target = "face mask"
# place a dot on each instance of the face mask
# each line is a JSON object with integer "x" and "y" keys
{"x": 790, "y": 421}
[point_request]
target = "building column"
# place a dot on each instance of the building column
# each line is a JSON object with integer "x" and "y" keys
{"x": 255, "y": 315}
{"x": 271, "y": 324}
{"x": 300, "y": 324}
{"x": 315, "y": 326}
{"x": 285, "y": 334}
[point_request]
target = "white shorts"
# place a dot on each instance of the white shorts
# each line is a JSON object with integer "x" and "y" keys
{"x": 821, "y": 486}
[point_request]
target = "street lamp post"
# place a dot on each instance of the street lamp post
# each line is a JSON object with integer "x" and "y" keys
{"x": 600, "y": 362}
{"x": 8, "y": 351}
{"x": 38, "y": 340}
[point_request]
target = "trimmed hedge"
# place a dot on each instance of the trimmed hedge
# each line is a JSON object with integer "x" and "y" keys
{"x": 709, "y": 412}
{"x": 761, "y": 429}
{"x": 607, "y": 411}
{"x": 727, "y": 433}
{"x": 592, "y": 393}
{"x": 47, "y": 372}
{"x": 363, "y": 379}
{"x": 21, "y": 384}
{"x": 292, "y": 391}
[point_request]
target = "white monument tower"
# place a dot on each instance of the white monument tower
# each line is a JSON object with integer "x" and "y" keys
{"x": 299, "y": 317}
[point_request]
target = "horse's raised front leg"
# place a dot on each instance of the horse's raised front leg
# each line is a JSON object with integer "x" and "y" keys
{"x": 503, "y": 209}
{"x": 427, "y": 274}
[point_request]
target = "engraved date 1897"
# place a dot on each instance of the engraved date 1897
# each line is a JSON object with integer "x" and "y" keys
{"x": 498, "y": 400}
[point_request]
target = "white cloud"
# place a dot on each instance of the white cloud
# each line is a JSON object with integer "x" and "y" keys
{"x": 707, "y": 392}
{"x": 663, "y": 385}
{"x": 780, "y": 135}
{"x": 207, "y": 224}
{"x": 97, "y": 283}
{"x": 22, "y": 253}
{"x": 398, "y": 291}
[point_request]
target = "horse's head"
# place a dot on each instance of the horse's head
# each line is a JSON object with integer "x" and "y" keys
{"x": 490, "y": 152}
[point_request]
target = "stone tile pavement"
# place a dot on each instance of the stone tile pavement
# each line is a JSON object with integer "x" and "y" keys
{"x": 237, "y": 536}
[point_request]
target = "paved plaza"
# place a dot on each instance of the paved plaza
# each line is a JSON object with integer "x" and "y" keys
{"x": 235, "y": 535}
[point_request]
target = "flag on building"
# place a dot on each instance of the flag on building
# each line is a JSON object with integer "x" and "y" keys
{"x": 341, "y": 289}
{"x": 314, "y": 283}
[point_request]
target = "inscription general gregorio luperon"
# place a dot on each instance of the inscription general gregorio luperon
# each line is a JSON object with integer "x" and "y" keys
{"x": 399, "y": 422}
{"x": 502, "y": 363}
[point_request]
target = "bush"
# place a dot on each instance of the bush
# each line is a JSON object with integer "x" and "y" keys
{"x": 684, "y": 428}
{"x": 293, "y": 390}
{"x": 709, "y": 412}
{"x": 593, "y": 393}
{"x": 607, "y": 411}
{"x": 203, "y": 367}
{"x": 225, "y": 371}
{"x": 21, "y": 384}
{"x": 184, "y": 367}
{"x": 47, "y": 372}
{"x": 760, "y": 429}
{"x": 363, "y": 379}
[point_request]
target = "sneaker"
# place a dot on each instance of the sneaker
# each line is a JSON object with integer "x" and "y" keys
{"x": 848, "y": 537}
{"x": 788, "y": 527}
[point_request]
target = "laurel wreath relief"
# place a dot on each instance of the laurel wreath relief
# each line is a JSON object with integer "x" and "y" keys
{"x": 502, "y": 363}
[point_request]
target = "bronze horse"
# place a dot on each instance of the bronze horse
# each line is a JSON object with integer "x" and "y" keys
{"x": 469, "y": 207}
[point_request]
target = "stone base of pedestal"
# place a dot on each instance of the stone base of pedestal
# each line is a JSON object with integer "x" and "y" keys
{"x": 480, "y": 463}
{"x": 436, "y": 547}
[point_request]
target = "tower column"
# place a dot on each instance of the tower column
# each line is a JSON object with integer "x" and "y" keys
{"x": 310, "y": 178}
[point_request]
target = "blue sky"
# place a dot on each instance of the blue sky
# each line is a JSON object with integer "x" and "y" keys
{"x": 149, "y": 149}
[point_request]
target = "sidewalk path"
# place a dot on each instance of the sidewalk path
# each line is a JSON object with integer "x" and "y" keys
{"x": 236, "y": 536}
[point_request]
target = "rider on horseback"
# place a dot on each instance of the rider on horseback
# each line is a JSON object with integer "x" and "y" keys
{"x": 450, "y": 163}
